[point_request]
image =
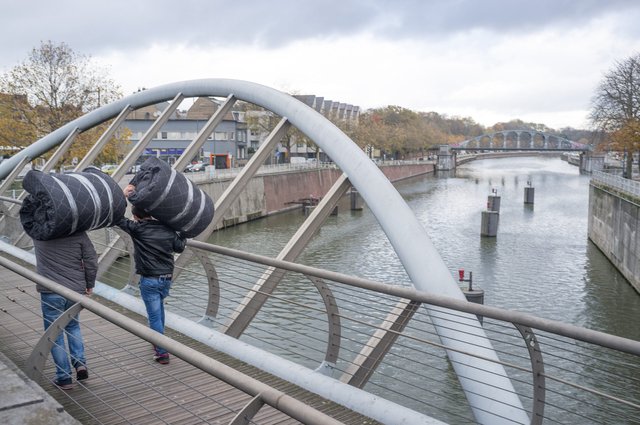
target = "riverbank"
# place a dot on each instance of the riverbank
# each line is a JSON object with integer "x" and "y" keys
{"x": 273, "y": 193}
{"x": 614, "y": 211}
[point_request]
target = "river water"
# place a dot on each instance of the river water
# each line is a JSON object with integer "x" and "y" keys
{"x": 541, "y": 261}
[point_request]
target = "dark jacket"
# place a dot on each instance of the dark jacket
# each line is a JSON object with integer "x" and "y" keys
{"x": 70, "y": 261}
{"x": 154, "y": 245}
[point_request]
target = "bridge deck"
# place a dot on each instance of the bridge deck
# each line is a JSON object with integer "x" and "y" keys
{"x": 126, "y": 385}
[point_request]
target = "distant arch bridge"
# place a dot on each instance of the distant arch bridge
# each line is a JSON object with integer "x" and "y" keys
{"x": 521, "y": 140}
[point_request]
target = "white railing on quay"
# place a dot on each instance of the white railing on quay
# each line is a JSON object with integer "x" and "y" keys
{"x": 628, "y": 186}
{"x": 211, "y": 173}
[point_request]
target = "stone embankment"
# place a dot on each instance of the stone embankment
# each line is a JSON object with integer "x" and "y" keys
{"x": 273, "y": 193}
{"x": 614, "y": 221}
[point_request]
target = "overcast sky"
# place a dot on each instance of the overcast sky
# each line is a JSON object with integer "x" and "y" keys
{"x": 491, "y": 60}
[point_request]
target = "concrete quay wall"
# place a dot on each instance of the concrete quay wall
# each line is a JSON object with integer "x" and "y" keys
{"x": 274, "y": 193}
{"x": 613, "y": 228}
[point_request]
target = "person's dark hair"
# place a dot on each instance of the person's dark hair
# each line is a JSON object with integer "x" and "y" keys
{"x": 139, "y": 212}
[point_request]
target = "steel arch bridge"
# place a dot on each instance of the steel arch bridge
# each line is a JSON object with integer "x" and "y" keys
{"x": 521, "y": 140}
{"x": 423, "y": 264}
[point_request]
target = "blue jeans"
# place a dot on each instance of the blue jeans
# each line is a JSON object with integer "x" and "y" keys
{"x": 53, "y": 305}
{"x": 153, "y": 291}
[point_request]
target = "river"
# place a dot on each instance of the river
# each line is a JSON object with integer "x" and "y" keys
{"x": 541, "y": 261}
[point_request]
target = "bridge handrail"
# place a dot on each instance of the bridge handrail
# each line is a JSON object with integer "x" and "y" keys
{"x": 271, "y": 396}
{"x": 508, "y": 316}
{"x": 356, "y": 399}
{"x": 512, "y": 316}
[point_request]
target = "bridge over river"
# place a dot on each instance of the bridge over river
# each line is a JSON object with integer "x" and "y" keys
{"x": 265, "y": 339}
{"x": 520, "y": 140}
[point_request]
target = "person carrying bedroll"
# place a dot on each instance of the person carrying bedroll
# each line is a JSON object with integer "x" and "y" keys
{"x": 72, "y": 262}
{"x": 57, "y": 212}
{"x": 154, "y": 245}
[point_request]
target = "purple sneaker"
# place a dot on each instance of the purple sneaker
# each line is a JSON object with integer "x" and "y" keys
{"x": 162, "y": 358}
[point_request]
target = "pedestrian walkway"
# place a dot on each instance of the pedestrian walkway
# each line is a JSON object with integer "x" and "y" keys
{"x": 125, "y": 384}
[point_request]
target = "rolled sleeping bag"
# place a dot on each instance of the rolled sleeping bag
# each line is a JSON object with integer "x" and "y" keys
{"x": 59, "y": 205}
{"x": 171, "y": 198}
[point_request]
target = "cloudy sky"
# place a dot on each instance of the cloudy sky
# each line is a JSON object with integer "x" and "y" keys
{"x": 491, "y": 60}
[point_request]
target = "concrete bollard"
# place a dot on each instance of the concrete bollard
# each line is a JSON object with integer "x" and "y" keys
{"x": 356, "y": 200}
{"x": 529, "y": 193}
{"x": 475, "y": 295}
{"x": 472, "y": 295}
{"x": 493, "y": 203}
{"x": 489, "y": 226}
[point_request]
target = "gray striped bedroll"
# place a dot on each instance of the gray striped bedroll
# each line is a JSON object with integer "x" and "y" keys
{"x": 171, "y": 198}
{"x": 59, "y": 205}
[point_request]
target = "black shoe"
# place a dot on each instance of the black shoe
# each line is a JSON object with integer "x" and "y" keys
{"x": 82, "y": 373}
{"x": 65, "y": 384}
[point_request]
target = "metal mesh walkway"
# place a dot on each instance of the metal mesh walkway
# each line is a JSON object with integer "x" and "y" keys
{"x": 126, "y": 385}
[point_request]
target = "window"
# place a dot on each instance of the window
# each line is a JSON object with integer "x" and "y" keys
{"x": 163, "y": 135}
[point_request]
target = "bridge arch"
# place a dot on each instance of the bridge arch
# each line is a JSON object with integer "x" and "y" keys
{"x": 408, "y": 237}
{"x": 525, "y": 139}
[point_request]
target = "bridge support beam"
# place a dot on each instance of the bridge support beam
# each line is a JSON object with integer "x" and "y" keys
{"x": 446, "y": 159}
{"x": 590, "y": 162}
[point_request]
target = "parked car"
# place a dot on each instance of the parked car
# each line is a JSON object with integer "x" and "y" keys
{"x": 134, "y": 169}
{"x": 297, "y": 160}
{"x": 108, "y": 168}
{"x": 194, "y": 168}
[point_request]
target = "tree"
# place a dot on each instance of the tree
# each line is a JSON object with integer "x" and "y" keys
{"x": 398, "y": 131}
{"x": 53, "y": 86}
{"x": 615, "y": 107}
{"x": 15, "y": 131}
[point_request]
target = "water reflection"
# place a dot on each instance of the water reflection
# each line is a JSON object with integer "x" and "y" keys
{"x": 540, "y": 261}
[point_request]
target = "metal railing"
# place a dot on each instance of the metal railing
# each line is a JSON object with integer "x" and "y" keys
{"x": 555, "y": 366}
{"x": 211, "y": 173}
{"x": 539, "y": 353}
{"x": 627, "y": 186}
{"x": 260, "y": 393}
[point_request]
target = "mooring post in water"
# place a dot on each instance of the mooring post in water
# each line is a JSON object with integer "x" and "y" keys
{"x": 493, "y": 201}
{"x": 472, "y": 295}
{"x": 489, "y": 225}
{"x": 356, "y": 200}
{"x": 529, "y": 193}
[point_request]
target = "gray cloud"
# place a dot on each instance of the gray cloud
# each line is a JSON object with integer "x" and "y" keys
{"x": 500, "y": 58}
{"x": 96, "y": 27}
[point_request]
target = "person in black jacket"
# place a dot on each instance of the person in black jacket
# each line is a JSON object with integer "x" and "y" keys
{"x": 72, "y": 262}
{"x": 154, "y": 244}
